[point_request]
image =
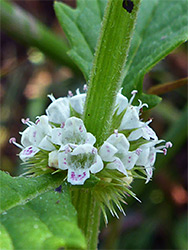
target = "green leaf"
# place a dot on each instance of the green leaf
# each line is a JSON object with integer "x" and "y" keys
{"x": 82, "y": 27}
{"x": 19, "y": 190}
{"x": 34, "y": 217}
{"x": 161, "y": 27}
{"x": 47, "y": 222}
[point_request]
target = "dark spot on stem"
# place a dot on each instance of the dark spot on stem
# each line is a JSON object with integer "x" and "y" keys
{"x": 128, "y": 5}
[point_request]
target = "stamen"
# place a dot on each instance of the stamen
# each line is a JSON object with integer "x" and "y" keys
{"x": 52, "y": 98}
{"x": 133, "y": 93}
{"x": 149, "y": 121}
{"x": 116, "y": 132}
{"x": 70, "y": 93}
{"x": 164, "y": 151}
{"x": 13, "y": 141}
{"x": 85, "y": 88}
{"x": 37, "y": 121}
{"x": 168, "y": 144}
{"x": 25, "y": 121}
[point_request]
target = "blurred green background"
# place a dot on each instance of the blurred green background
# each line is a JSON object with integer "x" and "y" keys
{"x": 27, "y": 76}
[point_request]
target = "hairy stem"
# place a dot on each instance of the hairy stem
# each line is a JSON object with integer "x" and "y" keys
{"x": 88, "y": 215}
{"x": 106, "y": 75}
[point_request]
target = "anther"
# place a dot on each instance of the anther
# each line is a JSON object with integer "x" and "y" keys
{"x": 116, "y": 132}
{"x": 85, "y": 88}
{"x": 168, "y": 144}
{"x": 70, "y": 93}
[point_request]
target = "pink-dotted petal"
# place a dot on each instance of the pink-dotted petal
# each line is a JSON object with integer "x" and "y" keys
{"x": 130, "y": 159}
{"x": 78, "y": 176}
{"x": 107, "y": 152}
{"x": 28, "y": 153}
{"x": 56, "y": 136}
{"x": 62, "y": 161}
{"x": 143, "y": 157}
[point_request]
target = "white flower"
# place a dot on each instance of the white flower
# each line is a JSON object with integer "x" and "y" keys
{"x": 73, "y": 132}
{"x": 144, "y": 131}
{"x": 80, "y": 161}
{"x": 77, "y": 102}
{"x": 148, "y": 153}
{"x": 34, "y": 138}
{"x": 131, "y": 117}
{"x": 76, "y": 153}
{"x": 59, "y": 110}
{"x": 115, "y": 152}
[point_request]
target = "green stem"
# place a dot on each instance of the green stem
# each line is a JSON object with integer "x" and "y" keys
{"x": 88, "y": 215}
{"x": 106, "y": 75}
{"x": 26, "y": 29}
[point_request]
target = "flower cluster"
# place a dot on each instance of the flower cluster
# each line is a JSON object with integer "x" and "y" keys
{"x": 68, "y": 146}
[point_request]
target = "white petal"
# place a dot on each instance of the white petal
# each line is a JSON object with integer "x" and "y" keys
{"x": 97, "y": 166}
{"x": 74, "y": 131}
{"x": 78, "y": 176}
{"x": 130, "y": 160}
{"x": 121, "y": 103}
{"x": 62, "y": 161}
{"x": 46, "y": 144}
{"x": 42, "y": 124}
{"x": 83, "y": 149}
{"x": 90, "y": 139}
{"x": 77, "y": 102}
{"x": 152, "y": 156}
{"x": 53, "y": 159}
{"x": 25, "y": 139}
{"x": 120, "y": 142}
{"x": 118, "y": 165}
{"x": 149, "y": 172}
{"x": 28, "y": 153}
{"x": 149, "y": 132}
{"x": 107, "y": 152}
{"x": 143, "y": 157}
{"x": 57, "y": 136}
{"x": 130, "y": 119}
{"x": 58, "y": 111}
